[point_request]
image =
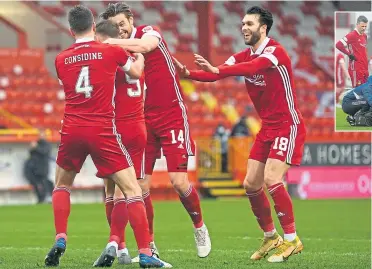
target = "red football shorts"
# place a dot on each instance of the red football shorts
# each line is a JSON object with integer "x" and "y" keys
{"x": 104, "y": 146}
{"x": 133, "y": 136}
{"x": 170, "y": 131}
{"x": 358, "y": 77}
{"x": 286, "y": 144}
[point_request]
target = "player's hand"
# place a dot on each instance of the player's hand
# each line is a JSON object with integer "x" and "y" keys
{"x": 352, "y": 57}
{"x": 181, "y": 68}
{"x": 205, "y": 65}
{"x": 138, "y": 56}
{"x": 108, "y": 41}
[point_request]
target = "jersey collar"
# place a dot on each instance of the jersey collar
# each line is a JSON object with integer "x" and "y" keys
{"x": 357, "y": 31}
{"x": 84, "y": 39}
{"x": 261, "y": 47}
{"x": 133, "y": 33}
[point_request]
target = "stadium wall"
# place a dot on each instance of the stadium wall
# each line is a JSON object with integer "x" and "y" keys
{"x": 14, "y": 189}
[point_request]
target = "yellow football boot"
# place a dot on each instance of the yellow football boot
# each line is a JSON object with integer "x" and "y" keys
{"x": 287, "y": 249}
{"x": 268, "y": 243}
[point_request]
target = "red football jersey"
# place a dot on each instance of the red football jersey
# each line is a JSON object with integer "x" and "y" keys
{"x": 129, "y": 99}
{"x": 357, "y": 45}
{"x": 162, "y": 81}
{"x": 340, "y": 76}
{"x": 87, "y": 72}
{"x": 271, "y": 90}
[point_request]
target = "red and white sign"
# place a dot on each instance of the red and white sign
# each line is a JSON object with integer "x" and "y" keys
{"x": 331, "y": 182}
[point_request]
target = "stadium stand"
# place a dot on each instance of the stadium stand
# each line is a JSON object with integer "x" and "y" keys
{"x": 300, "y": 24}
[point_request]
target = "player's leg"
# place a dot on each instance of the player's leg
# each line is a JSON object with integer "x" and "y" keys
{"x": 152, "y": 153}
{"x": 113, "y": 161}
{"x": 361, "y": 77}
{"x": 61, "y": 209}
{"x": 121, "y": 218}
{"x": 109, "y": 198}
{"x": 127, "y": 182}
{"x": 260, "y": 205}
{"x": 135, "y": 142}
{"x": 286, "y": 150}
{"x": 353, "y": 76}
{"x": 71, "y": 156}
{"x": 177, "y": 146}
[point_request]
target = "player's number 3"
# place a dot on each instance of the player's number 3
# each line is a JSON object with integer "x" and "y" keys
{"x": 131, "y": 91}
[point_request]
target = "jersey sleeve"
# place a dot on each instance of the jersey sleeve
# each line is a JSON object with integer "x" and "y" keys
{"x": 123, "y": 58}
{"x": 277, "y": 55}
{"x": 349, "y": 38}
{"x": 151, "y": 31}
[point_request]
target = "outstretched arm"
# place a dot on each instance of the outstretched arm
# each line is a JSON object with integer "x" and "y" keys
{"x": 243, "y": 69}
{"x": 199, "y": 75}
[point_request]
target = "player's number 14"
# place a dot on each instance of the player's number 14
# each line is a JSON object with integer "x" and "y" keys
{"x": 179, "y": 138}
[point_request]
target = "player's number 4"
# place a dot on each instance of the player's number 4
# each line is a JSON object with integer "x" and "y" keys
{"x": 83, "y": 84}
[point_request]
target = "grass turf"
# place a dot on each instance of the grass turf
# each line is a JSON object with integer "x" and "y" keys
{"x": 336, "y": 234}
{"x": 343, "y": 125}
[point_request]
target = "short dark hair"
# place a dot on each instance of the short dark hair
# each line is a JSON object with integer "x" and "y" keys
{"x": 114, "y": 9}
{"x": 107, "y": 28}
{"x": 362, "y": 19}
{"x": 80, "y": 19}
{"x": 265, "y": 16}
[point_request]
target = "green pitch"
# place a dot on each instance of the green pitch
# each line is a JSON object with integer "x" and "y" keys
{"x": 336, "y": 234}
{"x": 343, "y": 125}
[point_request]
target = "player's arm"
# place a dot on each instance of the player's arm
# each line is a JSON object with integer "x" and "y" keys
{"x": 208, "y": 73}
{"x": 342, "y": 45}
{"x": 134, "y": 67}
{"x": 146, "y": 44}
{"x": 269, "y": 58}
{"x": 242, "y": 69}
{"x": 198, "y": 75}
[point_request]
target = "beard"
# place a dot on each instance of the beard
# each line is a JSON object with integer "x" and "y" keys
{"x": 255, "y": 37}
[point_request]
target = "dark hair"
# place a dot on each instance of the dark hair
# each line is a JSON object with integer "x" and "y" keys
{"x": 114, "y": 9}
{"x": 265, "y": 16}
{"x": 107, "y": 28}
{"x": 80, "y": 19}
{"x": 362, "y": 19}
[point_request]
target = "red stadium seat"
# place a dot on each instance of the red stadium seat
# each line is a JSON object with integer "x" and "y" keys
{"x": 58, "y": 11}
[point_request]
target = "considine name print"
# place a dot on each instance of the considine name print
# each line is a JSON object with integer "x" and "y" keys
{"x": 84, "y": 57}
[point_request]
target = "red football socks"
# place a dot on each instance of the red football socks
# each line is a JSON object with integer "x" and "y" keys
{"x": 261, "y": 209}
{"x": 119, "y": 220}
{"x": 61, "y": 208}
{"x": 138, "y": 221}
{"x": 191, "y": 202}
{"x": 149, "y": 212}
{"x": 283, "y": 207}
{"x": 109, "y": 204}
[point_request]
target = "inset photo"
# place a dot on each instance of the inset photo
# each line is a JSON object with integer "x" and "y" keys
{"x": 353, "y": 69}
